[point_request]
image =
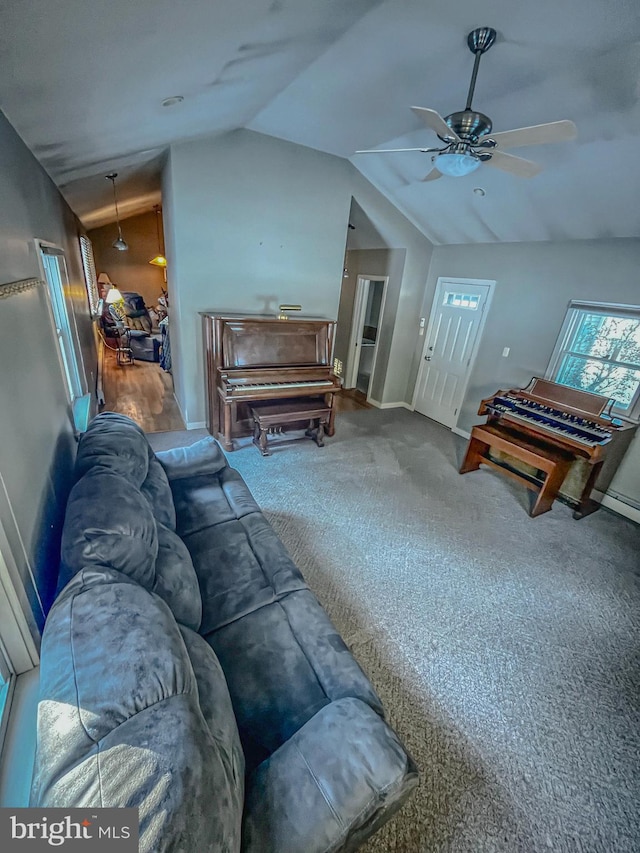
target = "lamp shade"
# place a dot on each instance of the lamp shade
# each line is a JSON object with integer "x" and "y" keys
{"x": 120, "y": 244}
{"x": 113, "y": 295}
{"x": 159, "y": 261}
{"x": 456, "y": 164}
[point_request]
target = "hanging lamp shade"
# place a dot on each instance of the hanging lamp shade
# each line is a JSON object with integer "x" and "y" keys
{"x": 159, "y": 260}
{"x": 119, "y": 243}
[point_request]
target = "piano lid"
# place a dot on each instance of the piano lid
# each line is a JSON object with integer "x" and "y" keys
{"x": 265, "y": 341}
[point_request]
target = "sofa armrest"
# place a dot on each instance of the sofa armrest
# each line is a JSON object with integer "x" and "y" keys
{"x": 330, "y": 786}
{"x": 203, "y": 457}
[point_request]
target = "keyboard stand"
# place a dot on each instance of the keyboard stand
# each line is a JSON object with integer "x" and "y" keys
{"x": 552, "y": 461}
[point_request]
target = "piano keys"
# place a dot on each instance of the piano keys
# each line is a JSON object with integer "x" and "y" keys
{"x": 556, "y": 440}
{"x": 259, "y": 357}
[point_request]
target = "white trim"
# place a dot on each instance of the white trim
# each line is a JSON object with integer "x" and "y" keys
{"x": 79, "y": 365}
{"x": 359, "y": 305}
{"x": 617, "y": 506}
{"x": 16, "y": 635}
{"x": 461, "y": 432}
{"x": 571, "y": 319}
{"x": 443, "y": 280}
{"x": 399, "y": 405}
{"x": 188, "y": 424}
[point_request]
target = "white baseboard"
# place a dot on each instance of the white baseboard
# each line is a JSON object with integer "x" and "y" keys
{"x": 617, "y": 505}
{"x": 461, "y": 432}
{"x": 379, "y": 405}
{"x": 196, "y": 424}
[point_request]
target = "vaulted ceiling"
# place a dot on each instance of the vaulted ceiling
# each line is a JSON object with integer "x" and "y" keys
{"x": 83, "y": 84}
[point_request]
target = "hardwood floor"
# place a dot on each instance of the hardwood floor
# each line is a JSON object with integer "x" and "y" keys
{"x": 350, "y": 400}
{"x": 143, "y": 391}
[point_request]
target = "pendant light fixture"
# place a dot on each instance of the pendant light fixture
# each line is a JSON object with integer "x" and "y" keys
{"x": 119, "y": 243}
{"x": 159, "y": 260}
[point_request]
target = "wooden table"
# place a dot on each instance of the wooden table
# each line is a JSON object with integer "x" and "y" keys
{"x": 272, "y": 417}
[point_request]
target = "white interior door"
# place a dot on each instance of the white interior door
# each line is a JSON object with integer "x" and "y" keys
{"x": 451, "y": 344}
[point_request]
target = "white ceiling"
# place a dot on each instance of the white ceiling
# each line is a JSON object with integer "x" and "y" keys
{"x": 82, "y": 82}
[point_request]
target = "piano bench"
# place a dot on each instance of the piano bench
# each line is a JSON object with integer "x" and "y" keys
{"x": 552, "y": 461}
{"x": 273, "y": 417}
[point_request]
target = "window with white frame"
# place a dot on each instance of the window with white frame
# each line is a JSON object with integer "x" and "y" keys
{"x": 90, "y": 277}
{"x": 598, "y": 350}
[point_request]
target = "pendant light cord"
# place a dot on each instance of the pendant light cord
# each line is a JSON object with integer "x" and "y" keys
{"x": 115, "y": 201}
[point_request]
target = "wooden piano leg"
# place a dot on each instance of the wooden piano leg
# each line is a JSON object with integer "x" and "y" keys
{"x": 474, "y": 455}
{"x": 551, "y": 486}
{"x": 328, "y": 398}
{"x": 227, "y": 441}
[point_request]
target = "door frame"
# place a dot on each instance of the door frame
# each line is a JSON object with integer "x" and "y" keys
{"x": 363, "y": 284}
{"x": 443, "y": 281}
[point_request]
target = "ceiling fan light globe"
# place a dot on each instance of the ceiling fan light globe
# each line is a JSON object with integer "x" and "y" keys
{"x": 455, "y": 164}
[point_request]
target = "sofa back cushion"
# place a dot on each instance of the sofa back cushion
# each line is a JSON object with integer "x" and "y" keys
{"x": 157, "y": 491}
{"x": 119, "y": 719}
{"x": 116, "y": 443}
{"x": 109, "y": 523}
{"x": 176, "y": 581}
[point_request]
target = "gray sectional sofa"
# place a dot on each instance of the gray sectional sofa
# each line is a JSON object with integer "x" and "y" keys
{"x": 187, "y": 669}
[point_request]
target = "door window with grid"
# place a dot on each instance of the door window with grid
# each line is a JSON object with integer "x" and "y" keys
{"x": 598, "y": 350}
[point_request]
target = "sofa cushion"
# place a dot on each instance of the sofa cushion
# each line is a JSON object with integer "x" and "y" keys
{"x": 176, "y": 581}
{"x": 293, "y": 663}
{"x": 117, "y": 443}
{"x": 241, "y": 565}
{"x": 109, "y": 523}
{"x": 157, "y": 491}
{"x": 330, "y": 786}
{"x": 116, "y": 687}
{"x": 215, "y": 703}
{"x": 199, "y": 459}
{"x": 203, "y": 502}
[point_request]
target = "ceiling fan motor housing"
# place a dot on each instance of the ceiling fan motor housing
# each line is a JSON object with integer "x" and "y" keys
{"x": 469, "y": 125}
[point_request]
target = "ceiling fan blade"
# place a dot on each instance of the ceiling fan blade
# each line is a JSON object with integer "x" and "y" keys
{"x": 394, "y": 150}
{"x": 433, "y": 175}
{"x": 515, "y": 165}
{"x": 434, "y": 121}
{"x": 538, "y": 134}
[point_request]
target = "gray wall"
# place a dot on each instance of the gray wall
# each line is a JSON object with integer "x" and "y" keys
{"x": 37, "y": 446}
{"x": 535, "y": 282}
{"x": 258, "y": 221}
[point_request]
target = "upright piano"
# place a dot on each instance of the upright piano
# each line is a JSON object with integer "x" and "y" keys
{"x": 558, "y": 441}
{"x": 250, "y": 358}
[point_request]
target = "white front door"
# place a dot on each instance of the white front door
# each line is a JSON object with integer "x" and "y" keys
{"x": 453, "y": 334}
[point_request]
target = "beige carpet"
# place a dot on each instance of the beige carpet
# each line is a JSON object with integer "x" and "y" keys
{"x": 505, "y": 649}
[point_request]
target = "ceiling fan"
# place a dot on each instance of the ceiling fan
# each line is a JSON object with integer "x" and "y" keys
{"x": 467, "y": 137}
